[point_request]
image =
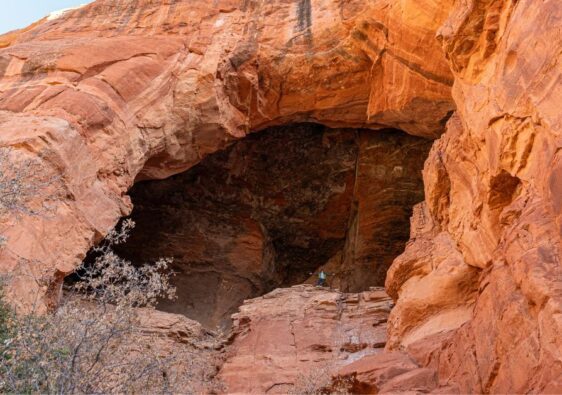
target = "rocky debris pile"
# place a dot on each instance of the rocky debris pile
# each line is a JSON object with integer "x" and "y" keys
{"x": 192, "y": 354}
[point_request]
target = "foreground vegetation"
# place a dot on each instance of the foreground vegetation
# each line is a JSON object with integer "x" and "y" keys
{"x": 93, "y": 342}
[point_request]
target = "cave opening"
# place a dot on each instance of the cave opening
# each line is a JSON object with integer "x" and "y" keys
{"x": 276, "y": 207}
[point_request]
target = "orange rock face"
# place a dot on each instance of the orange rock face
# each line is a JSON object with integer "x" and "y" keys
{"x": 298, "y": 336}
{"x": 388, "y": 372}
{"x": 275, "y": 207}
{"x": 110, "y": 94}
{"x": 116, "y": 92}
{"x": 478, "y": 288}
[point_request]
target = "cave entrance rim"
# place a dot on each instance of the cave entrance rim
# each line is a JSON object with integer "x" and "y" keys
{"x": 274, "y": 208}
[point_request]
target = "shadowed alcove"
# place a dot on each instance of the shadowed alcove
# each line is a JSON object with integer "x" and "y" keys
{"x": 274, "y": 208}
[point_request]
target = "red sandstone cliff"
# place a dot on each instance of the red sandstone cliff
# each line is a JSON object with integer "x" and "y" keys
{"x": 116, "y": 92}
{"x": 113, "y": 93}
{"x": 485, "y": 255}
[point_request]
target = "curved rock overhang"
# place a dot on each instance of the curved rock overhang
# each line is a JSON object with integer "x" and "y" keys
{"x": 276, "y": 207}
{"x": 161, "y": 86}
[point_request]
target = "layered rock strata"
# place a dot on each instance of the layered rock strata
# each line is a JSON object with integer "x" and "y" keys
{"x": 121, "y": 91}
{"x": 478, "y": 289}
{"x": 387, "y": 373}
{"x": 293, "y": 339}
{"x": 275, "y": 207}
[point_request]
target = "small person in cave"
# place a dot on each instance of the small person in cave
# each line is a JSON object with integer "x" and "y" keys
{"x": 322, "y": 279}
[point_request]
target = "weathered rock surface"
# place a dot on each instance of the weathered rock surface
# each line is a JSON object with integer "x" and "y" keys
{"x": 263, "y": 213}
{"x": 388, "y": 372}
{"x": 174, "y": 327}
{"x": 121, "y": 91}
{"x": 479, "y": 288}
{"x": 276, "y": 206}
{"x": 293, "y": 336}
{"x": 192, "y": 354}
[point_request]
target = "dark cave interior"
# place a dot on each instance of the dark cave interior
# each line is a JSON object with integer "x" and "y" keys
{"x": 274, "y": 208}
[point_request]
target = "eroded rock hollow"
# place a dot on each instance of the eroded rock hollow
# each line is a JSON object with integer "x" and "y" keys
{"x": 117, "y": 92}
{"x": 275, "y": 207}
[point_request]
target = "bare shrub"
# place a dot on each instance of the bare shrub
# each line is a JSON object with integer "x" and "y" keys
{"x": 319, "y": 381}
{"x": 113, "y": 280}
{"x": 93, "y": 343}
